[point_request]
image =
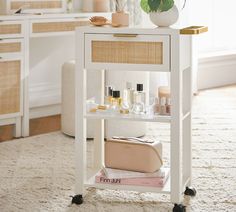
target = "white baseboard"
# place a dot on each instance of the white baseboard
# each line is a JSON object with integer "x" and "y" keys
{"x": 216, "y": 71}
{"x": 44, "y": 111}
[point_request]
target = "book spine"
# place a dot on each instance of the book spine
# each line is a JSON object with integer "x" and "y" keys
{"x": 111, "y": 174}
{"x": 155, "y": 182}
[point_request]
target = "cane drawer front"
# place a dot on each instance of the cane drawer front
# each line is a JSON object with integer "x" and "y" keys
{"x": 39, "y": 6}
{"x": 145, "y": 52}
{"x": 10, "y": 86}
{"x": 57, "y": 26}
{"x": 11, "y": 29}
{"x": 11, "y": 47}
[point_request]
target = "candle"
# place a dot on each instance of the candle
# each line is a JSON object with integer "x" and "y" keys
{"x": 101, "y": 5}
{"x": 164, "y": 91}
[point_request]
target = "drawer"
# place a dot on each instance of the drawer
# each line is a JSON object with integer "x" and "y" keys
{"x": 122, "y": 51}
{"x": 10, "y": 86}
{"x": 11, "y": 29}
{"x": 57, "y": 26}
{"x": 34, "y": 6}
{"x": 11, "y": 48}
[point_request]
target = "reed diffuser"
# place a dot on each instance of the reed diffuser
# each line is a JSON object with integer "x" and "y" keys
{"x": 120, "y": 17}
{"x": 120, "y": 5}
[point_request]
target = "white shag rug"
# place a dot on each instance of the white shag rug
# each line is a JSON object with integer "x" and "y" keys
{"x": 37, "y": 173}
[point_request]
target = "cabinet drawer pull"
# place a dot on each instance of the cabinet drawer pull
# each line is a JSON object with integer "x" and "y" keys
{"x": 125, "y": 35}
{"x": 84, "y": 17}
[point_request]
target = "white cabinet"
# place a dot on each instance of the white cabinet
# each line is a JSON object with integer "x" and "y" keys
{"x": 33, "y": 6}
{"x": 11, "y": 73}
{"x": 127, "y": 51}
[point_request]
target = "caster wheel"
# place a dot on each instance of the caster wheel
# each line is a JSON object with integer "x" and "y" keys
{"x": 179, "y": 208}
{"x": 77, "y": 199}
{"x": 190, "y": 191}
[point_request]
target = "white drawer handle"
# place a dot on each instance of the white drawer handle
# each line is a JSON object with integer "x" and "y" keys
{"x": 125, "y": 35}
{"x": 84, "y": 17}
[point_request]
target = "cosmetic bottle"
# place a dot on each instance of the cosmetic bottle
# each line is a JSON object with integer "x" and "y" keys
{"x": 163, "y": 106}
{"x": 91, "y": 105}
{"x": 156, "y": 106}
{"x": 168, "y": 107}
{"x": 128, "y": 96}
{"x": 108, "y": 95}
{"x": 141, "y": 92}
{"x": 116, "y": 101}
{"x": 139, "y": 100}
{"x": 125, "y": 108}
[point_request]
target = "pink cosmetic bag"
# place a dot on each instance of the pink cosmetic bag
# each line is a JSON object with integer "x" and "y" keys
{"x": 133, "y": 155}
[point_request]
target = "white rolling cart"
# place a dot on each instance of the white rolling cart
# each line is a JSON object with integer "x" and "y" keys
{"x": 131, "y": 49}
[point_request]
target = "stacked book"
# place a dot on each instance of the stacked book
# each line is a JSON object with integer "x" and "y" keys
{"x": 122, "y": 177}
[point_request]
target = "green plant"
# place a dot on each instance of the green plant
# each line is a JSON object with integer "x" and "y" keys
{"x": 156, "y": 5}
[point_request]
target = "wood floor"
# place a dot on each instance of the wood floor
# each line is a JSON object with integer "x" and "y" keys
{"x": 37, "y": 126}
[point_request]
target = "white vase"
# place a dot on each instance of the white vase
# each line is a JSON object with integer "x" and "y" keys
{"x": 165, "y": 19}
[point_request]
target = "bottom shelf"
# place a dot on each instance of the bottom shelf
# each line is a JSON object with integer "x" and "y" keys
{"x": 91, "y": 183}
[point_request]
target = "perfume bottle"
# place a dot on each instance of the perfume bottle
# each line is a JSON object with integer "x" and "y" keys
{"x": 139, "y": 100}
{"x": 168, "y": 107}
{"x": 108, "y": 95}
{"x": 128, "y": 96}
{"x": 116, "y": 101}
{"x": 156, "y": 106}
{"x": 141, "y": 92}
{"x": 163, "y": 106}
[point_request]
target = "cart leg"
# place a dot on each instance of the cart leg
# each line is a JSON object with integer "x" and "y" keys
{"x": 187, "y": 150}
{"x": 80, "y": 163}
{"x": 187, "y": 126}
{"x": 99, "y": 130}
{"x": 80, "y": 122}
{"x": 99, "y": 144}
{"x": 25, "y": 81}
{"x": 176, "y": 123}
{"x": 80, "y": 154}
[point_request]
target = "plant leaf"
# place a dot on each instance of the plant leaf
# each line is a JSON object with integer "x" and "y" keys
{"x": 154, "y": 5}
{"x": 144, "y": 5}
{"x": 166, "y": 5}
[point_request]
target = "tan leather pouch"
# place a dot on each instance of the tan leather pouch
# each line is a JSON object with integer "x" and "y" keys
{"x": 133, "y": 155}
